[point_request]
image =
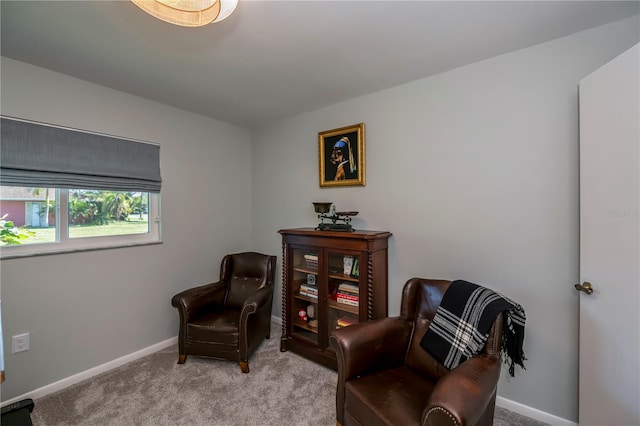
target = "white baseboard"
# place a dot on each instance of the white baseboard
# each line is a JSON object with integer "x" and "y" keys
{"x": 532, "y": 413}
{"x": 516, "y": 407}
{"x": 68, "y": 381}
{"x": 510, "y": 405}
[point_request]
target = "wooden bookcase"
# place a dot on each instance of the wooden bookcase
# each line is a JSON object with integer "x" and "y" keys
{"x": 316, "y": 282}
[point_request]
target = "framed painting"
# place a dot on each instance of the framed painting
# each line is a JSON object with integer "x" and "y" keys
{"x": 341, "y": 154}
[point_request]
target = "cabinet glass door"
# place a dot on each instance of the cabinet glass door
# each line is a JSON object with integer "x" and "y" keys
{"x": 304, "y": 286}
{"x": 343, "y": 291}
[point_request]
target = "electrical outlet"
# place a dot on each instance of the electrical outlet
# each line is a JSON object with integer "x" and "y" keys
{"x": 20, "y": 343}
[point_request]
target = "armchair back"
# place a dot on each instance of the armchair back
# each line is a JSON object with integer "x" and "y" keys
{"x": 246, "y": 273}
{"x": 420, "y": 300}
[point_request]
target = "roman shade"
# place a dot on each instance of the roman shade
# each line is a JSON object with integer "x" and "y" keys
{"x": 40, "y": 155}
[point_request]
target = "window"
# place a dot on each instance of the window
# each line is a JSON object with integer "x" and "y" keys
{"x": 64, "y": 220}
{"x": 66, "y": 190}
{"x": 106, "y": 213}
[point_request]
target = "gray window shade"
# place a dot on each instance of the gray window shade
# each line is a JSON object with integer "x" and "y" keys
{"x": 39, "y": 155}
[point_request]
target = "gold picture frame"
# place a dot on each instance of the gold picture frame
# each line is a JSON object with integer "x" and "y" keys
{"x": 334, "y": 146}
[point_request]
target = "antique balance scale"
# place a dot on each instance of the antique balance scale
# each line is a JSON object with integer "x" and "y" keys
{"x": 336, "y": 221}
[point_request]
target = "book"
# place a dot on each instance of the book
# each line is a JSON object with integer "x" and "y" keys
{"x": 311, "y": 260}
{"x": 345, "y": 322}
{"x": 348, "y": 264}
{"x": 347, "y": 296}
{"x": 348, "y": 302}
{"x": 355, "y": 269}
{"x": 310, "y": 295}
{"x": 308, "y": 289}
{"x": 349, "y": 288}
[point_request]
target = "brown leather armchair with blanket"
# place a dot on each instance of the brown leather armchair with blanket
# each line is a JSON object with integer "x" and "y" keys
{"x": 385, "y": 377}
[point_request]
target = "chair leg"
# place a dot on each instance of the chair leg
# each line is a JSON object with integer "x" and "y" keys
{"x": 244, "y": 366}
{"x": 182, "y": 358}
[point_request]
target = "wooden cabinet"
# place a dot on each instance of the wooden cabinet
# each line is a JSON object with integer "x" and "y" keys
{"x": 330, "y": 279}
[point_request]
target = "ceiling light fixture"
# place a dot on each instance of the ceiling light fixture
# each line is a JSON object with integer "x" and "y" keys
{"x": 188, "y": 13}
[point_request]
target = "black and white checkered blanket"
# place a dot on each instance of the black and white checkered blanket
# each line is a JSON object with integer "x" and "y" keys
{"x": 462, "y": 323}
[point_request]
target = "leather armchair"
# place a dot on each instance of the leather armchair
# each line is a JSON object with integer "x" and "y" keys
{"x": 229, "y": 318}
{"x": 386, "y": 378}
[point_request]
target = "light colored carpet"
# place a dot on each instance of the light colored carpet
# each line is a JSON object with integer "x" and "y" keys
{"x": 282, "y": 389}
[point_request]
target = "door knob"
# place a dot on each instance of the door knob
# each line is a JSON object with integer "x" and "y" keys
{"x": 585, "y": 288}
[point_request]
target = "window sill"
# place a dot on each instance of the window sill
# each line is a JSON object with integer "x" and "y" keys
{"x": 6, "y": 256}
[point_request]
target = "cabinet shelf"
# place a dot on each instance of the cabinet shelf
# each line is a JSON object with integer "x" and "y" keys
{"x": 305, "y": 298}
{"x": 342, "y": 307}
{"x": 329, "y": 249}
{"x": 305, "y": 326}
{"x": 343, "y": 277}
{"x": 305, "y": 269}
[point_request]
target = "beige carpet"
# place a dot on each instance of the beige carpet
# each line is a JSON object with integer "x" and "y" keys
{"x": 282, "y": 389}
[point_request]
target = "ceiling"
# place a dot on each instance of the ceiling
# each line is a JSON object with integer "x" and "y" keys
{"x": 275, "y": 59}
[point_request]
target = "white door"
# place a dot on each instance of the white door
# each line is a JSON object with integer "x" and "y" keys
{"x": 35, "y": 214}
{"x": 609, "y": 390}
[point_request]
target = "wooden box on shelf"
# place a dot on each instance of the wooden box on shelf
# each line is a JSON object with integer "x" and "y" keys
{"x": 320, "y": 295}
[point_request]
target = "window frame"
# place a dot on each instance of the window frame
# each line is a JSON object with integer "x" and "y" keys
{"x": 64, "y": 244}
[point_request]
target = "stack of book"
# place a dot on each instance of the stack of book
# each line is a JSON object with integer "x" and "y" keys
{"x": 309, "y": 290}
{"x": 348, "y": 294}
{"x": 311, "y": 261}
{"x": 345, "y": 322}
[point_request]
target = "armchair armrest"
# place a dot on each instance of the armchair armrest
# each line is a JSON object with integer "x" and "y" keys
{"x": 461, "y": 396}
{"x": 255, "y": 323}
{"x": 190, "y": 302}
{"x": 367, "y": 346}
{"x": 256, "y": 301}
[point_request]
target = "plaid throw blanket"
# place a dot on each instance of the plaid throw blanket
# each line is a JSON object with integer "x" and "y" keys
{"x": 462, "y": 323}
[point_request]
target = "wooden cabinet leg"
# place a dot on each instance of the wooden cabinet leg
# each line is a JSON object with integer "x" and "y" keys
{"x": 244, "y": 366}
{"x": 181, "y": 358}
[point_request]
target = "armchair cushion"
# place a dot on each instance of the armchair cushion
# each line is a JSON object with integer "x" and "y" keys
{"x": 223, "y": 323}
{"x": 394, "y": 396}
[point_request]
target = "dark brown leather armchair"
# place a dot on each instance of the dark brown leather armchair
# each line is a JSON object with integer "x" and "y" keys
{"x": 228, "y": 319}
{"x": 386, "y": 378}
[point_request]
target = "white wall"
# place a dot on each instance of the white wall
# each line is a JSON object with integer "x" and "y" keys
{"x": 86, "y": 309}
{"x": 475, "y": 172}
